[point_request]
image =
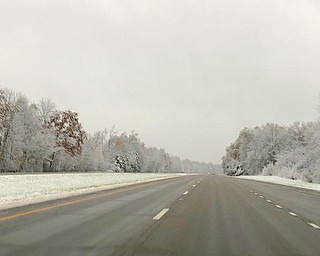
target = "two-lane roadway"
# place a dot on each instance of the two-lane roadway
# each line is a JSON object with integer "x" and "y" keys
{"x": 191, "y": 215}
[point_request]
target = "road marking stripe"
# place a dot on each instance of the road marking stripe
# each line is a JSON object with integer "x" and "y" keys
{"x": 185, "y": 193}
{"x": 161, "y": 214}
{"x": 279, "y": 206}
{"x": 251, "y": 191}
{"x": 269, "y": 201}
{"x": 256, "y": 194}
{"x": 193, "y": 185}
{"x": 313, "y": 225}
{"x": 261, "y": 197}
{"x": 180, "y": 199}
{"x": 198, "y": 182}
{"x": 113, "y": 192}
{"x": 293, "y": 214}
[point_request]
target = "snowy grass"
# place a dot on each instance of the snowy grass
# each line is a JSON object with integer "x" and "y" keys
{"x": 18, "y": 190}
{"x": 284, "y": 181}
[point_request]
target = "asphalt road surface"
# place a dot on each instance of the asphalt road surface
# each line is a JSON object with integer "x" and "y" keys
{"x": 191, "y": 215}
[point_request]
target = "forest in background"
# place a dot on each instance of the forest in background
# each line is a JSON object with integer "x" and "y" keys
{"x": 271, "y": 149}
{"x": 37, "y": 137}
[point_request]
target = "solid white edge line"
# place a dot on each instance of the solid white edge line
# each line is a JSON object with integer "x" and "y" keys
{"x": 279, "y": 206}
{"x": 185, "y": 193}
{"x": 313, "y": 225}
{"x": 293, "y": 214}
{"x": 160, "y": 214}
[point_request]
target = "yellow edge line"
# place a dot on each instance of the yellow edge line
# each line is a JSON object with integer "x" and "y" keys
{"x": 75, "y": 201}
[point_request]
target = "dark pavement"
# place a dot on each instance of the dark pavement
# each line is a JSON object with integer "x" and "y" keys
{"x": 217, "y": 216}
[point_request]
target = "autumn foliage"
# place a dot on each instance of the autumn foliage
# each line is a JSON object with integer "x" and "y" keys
{"x": 37, "y": 137}
{"x": 68, "y": 131}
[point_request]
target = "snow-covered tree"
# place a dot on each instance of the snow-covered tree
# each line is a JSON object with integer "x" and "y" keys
{"x": 37, "y": 137}
{"x": 8, "y": 109}
{"x": 45, "y": 109}
{"x": 26, "y": 132}
{"x": 156, "y": 160}
{"x": 175, "y": 164}
{"x": 128, "y": 152}
{"x": 291, "y": 152}
{"x": 256, "y": 148}
{"x": 69, "y": 138}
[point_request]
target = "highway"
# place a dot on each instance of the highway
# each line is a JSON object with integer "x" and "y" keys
{"x": 191, "y": 215}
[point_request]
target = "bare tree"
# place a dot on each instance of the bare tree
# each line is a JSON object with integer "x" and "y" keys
{"x": 45, "y": 109}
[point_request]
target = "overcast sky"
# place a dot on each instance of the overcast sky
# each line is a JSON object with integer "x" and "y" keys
{"x": 186, "y": 75}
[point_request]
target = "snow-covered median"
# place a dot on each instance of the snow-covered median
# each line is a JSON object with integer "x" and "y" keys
{"x": 18, "y": 190}
{"x": 283, "y": 181}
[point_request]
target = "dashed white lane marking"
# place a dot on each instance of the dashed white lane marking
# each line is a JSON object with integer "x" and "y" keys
{"x": 161, "y": 214}
{"x": 198, "y": 182}
{"x": 193, "y": 185}
{"x": 185, "y": 193}
{"x": 180, "y": 199}
{"x": 313, "y": 225}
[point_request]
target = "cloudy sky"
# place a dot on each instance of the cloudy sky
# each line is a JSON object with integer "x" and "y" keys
{"x": 186, "y": 75}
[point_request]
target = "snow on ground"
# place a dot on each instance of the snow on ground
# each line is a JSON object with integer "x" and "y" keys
{"x": 283, "y": 181}
{"x": 23, "y": 189}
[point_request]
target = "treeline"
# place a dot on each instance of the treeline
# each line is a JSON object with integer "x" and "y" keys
{"x": 292, "y": 152}
{"x": 38, "y": 137}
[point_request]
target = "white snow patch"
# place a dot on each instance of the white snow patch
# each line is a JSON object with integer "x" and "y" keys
{"x": 24, "y": 189}
{"x": 283, "y": 181}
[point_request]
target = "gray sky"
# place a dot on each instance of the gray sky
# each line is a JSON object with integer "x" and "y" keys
{"x": 186, "y": 75}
